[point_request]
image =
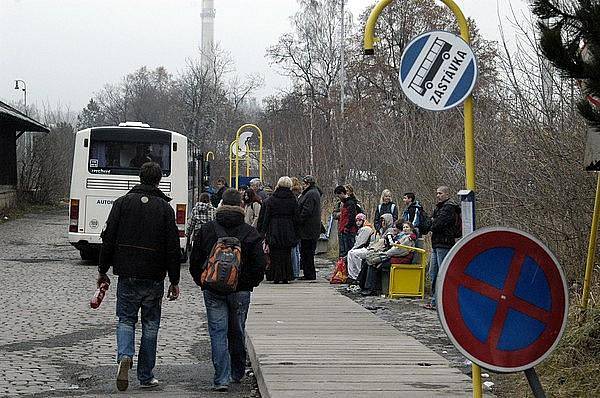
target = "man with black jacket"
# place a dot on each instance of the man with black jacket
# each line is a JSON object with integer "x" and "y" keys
{"x": 347, "y": 227}
{"x": 227, "y": 313}
{"x": 308, "y": 216}
{"x": 141, "y": 243}
{"x": 444, "y": 230}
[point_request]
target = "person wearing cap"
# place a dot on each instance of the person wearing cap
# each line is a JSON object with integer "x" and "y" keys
{"x": 257, "y": 187}
{"x": 359, "y": 250}
{"x": 308, "y": 216}
{"x": 227, "y": 313}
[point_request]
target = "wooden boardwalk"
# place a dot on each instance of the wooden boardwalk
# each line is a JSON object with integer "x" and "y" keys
{"x": 307, "y": 340}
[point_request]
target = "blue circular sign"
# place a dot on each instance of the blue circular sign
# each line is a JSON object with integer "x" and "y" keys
{"x": 438, "y": 70}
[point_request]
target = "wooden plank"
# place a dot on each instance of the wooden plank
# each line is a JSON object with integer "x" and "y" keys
{"x": 298, "y": 349}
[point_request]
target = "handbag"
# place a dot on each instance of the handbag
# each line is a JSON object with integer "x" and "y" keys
{"x": 340, "y": 273}
{"x": 375, "y": 259}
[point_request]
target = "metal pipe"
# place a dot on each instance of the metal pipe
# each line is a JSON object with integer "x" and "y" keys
{"x": 369, "y": 37}
{"x": 591, "y": 256}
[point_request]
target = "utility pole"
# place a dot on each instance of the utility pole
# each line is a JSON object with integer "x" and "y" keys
{"x": 342, "y": 59}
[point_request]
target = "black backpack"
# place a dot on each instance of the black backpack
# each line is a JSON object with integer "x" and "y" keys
{"x": 457, "y": 228}
{"x": 424, "y": 221}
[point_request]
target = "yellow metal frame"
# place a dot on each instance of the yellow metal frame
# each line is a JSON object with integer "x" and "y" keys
{"x": 248, "y": 151}
{"x": 421, "y": 266}
{"x": 369, "y": 39}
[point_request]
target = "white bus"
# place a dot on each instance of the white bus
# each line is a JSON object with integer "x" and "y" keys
{"x": 106, "y": 164}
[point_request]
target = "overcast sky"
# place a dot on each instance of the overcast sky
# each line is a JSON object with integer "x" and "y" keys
{"x": 67, "y": 50}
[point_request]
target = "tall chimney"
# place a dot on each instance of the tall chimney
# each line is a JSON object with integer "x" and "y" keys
{"x": 208, "y": 32}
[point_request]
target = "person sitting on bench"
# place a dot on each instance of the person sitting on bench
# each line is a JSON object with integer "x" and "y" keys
{"x": 406, "y": 238}
{"x": 359, "y": 250}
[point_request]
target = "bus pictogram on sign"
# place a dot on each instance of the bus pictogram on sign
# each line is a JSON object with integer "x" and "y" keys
{"x": 438, "y": 70}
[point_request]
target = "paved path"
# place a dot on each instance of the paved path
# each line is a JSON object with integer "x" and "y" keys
{"x": 307, "y": 340}
{"x": 53, "y": 344}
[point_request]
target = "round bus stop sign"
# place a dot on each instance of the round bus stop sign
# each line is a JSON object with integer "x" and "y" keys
{"x": 438, "y": 70}
{"x": 503, "y": 299}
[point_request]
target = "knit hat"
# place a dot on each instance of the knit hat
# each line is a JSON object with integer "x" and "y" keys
{"x": 232, "y": 197}
{"x": 361, "y": 216}
{"x": 310, "y": 180}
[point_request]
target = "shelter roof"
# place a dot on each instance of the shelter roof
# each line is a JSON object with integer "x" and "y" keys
{"x": 12, "y": 119}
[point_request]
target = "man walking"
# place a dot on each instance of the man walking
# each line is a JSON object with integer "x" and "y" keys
{"x": 227, "y": 312}
{"x": 141, "y": 243}
{"x": 309, "y": 225}
{"x": 444, "y": 231}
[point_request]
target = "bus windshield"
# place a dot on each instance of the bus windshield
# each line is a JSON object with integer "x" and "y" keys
{"x": 124, "y": 153}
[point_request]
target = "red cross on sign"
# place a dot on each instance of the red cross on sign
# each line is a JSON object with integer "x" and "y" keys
{"x": 503, "y": 299}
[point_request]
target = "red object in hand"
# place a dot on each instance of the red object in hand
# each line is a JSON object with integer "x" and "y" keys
{"x": 99, "y": 295}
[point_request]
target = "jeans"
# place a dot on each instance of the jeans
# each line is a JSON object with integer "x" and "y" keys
{"x": 346, "y": 242}
{"x": 307, "y": 257}
{"x": 437, "y": 258}
{"x": 296, "y": 261}
{"x": 373, "y": 280}
{"x": 134, "y": 294}
{"x": 227, "y": 328}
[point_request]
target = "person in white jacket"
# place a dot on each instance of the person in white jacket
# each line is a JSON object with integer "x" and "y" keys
{"x": 359, "y": 250}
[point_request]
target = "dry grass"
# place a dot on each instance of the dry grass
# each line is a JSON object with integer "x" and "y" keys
{"x": 572, "y": 369}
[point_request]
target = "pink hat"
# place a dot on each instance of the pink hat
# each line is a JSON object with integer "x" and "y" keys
{"x": 361, "y": 216}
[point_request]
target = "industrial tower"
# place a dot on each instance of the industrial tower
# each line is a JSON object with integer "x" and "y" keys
{"x": 208, "y": 32}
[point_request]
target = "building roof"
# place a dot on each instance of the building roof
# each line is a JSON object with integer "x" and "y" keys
{"x": 12, "y": 119}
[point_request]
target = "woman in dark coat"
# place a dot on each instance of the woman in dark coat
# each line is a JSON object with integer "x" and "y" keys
{"x": 276, "y": 222}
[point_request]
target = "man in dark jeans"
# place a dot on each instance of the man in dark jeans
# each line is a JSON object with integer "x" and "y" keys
{"x": 227, "y": 312}
{"x": 141, "y": 243}
{"x": 308, "y": 215}
{"x": 443, "y": 235}
{"x": 347, "y": 220}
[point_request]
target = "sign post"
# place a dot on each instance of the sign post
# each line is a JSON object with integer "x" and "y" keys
{"x": 369, "y": 40}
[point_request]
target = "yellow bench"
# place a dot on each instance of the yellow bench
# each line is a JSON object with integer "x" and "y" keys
{"x": 408, "y": 280}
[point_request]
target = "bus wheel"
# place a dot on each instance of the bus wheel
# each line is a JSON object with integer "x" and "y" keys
{"x": 89, "y": 254}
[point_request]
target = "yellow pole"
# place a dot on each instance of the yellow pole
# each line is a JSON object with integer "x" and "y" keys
{"x": 589, "y": 265}
{"x": 260, "y": 146}
{"x": 469, "y": 156}
{"x": 234, "y": 142}
{"x": 369, "y": 38}
{"x": 210, "y": 153}
{"x": 468, "y": 126}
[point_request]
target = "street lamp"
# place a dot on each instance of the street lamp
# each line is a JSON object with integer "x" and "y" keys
{"x": 24, "y": 92}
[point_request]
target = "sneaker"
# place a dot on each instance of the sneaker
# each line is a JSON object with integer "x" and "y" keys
{"x": 221, "y": 388}
{"x": 123, "y": 373}
{"x": 430, "y": 306}
{"x": 150, "y": 384}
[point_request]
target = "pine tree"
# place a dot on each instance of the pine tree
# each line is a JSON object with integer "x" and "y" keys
{"x": 570, "y": 39}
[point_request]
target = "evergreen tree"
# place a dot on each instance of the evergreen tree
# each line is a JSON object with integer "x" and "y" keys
{"x": 570, "y": 39}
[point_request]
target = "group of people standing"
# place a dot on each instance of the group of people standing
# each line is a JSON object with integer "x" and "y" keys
{"x": 141, "y": 243}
